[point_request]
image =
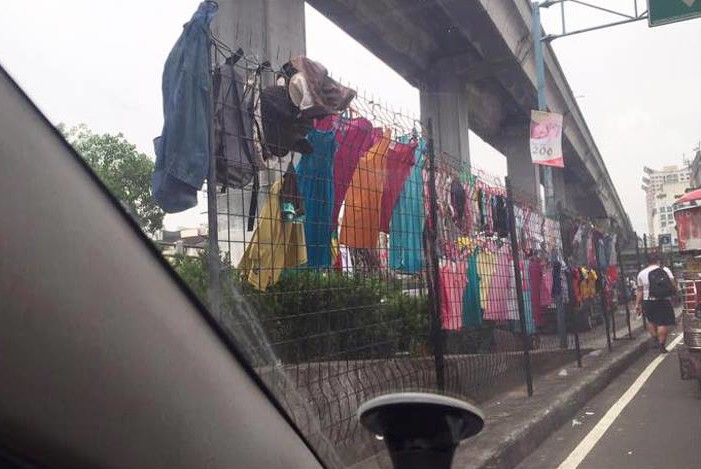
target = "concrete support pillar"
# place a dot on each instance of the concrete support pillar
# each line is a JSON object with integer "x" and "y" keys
{"x": 268, "y": 29}
{"x": 560, "y": 189}
{"x": 584, "y": 200}
{"x": 514, "y": 144}
{"x": 444, "y": 100}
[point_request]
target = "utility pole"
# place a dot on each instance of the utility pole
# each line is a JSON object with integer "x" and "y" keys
{"x": 542, "y": 106}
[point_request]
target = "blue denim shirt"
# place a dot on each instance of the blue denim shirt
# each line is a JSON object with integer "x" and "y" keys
{"x": 182, "y": 150}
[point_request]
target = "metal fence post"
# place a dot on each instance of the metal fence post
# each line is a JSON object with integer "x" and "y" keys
{"x": 613, "y": 318}
{"x": 603, "y": 304}
{"x": 577, "y": 348}
{"x": 213, "y": 266}
{"x": 640, "y": 265}
{"x": 623, "y": 287}
{"x": 519, "y": 288}
{"x": 434, "y": 290}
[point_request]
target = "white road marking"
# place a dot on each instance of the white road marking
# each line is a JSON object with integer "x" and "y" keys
{"x": 585, "y": 446}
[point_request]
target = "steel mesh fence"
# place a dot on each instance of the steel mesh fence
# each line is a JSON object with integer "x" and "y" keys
{"x": 356, "y": 259}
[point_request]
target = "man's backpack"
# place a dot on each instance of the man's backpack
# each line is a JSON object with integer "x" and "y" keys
{"x": 661, "y": 285}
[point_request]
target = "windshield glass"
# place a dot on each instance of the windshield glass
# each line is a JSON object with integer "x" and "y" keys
{"x": 379, "y": 199}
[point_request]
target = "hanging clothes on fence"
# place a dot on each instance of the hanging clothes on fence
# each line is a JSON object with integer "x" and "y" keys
{"x": 183, "y": 149}
{"x": 471, "y": 211}
{"x": 613, "y": 249}
{"x": 383, "y": 250}
{"x": 275, "y": 245}
{"x": 303, "y": 93}
{"x": 354, "y": 138}
{"x": 315, "y": 176}
{"x": 453, "y": 280}
{"x": 400, "y": 161}
{"x": 472, "y": 310}
{"x": 407, "y": 223}
{"x": 601, "y": 254}
{"x": 291, "y": 199}
{"x": 283, "y": 127}
{"x": 313, "y": 91}
{"x": 481, "y": 210}
{"x": 237, "y": 146}
{"x": 579, "y": 245}
{"x": 486, "y": 267}
{"x": 458, "y": 201}
{"x": 448, "y": 230}
{"x": 535, "y": 277}
{"x": 591, "y": 249}
{"x": 546, "y": 285}
{"x": 501, "y": 219}
{"x": 236, "y": 158}
{"x": 361, "y": 220}
{"x": 501, "y": 302}
{"x": 365, "y": 260}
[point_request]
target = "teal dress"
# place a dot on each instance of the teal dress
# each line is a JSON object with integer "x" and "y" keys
{"x": 472, "y": 311}
{"x": 315, "y": 182}
{"x": 407, "y": 223}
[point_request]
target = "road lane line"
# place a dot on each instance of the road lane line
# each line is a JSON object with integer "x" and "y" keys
{"x": 587, "y": 444}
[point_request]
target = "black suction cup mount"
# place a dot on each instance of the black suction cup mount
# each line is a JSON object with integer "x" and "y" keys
{"x": 421, "y": 430}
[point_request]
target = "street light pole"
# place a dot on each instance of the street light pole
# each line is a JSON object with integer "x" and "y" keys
{"x": 542, "y": 106}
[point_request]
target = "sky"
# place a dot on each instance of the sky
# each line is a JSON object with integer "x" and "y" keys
{"x": 100, "y": 63}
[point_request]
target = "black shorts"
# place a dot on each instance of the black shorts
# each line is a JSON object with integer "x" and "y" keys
{"x": 659, "y": 312}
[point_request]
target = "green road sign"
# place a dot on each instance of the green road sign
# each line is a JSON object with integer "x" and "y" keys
{"x": 670, "y": 11}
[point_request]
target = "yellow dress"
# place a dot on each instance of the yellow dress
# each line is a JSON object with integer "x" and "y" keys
{"x": 275, "y": 245}
{"x": 486, "y": 268}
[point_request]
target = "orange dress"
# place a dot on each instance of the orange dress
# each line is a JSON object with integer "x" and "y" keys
{"x": 360, "y": 227}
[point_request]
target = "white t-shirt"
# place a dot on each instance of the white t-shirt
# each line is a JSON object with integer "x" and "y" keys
{"x": 644, "y": 279}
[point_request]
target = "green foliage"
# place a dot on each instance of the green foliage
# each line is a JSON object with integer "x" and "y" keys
{"x": 311, "y": 315}
{"x": 194, "y": 271}
{"x": 125, "y": 172}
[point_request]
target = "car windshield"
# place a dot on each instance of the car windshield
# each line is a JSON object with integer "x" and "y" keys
{"x": 393, "y": 196}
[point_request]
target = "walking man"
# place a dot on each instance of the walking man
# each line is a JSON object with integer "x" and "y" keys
{"x": 656, "y": 285}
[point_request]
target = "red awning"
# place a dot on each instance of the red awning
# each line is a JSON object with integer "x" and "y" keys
{"x": 689, "y": 196}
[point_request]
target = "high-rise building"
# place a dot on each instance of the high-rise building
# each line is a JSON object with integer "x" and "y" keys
{"x": 662, "y": 187}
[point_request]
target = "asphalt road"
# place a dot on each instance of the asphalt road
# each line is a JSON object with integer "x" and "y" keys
{"x": 660, "y": 428}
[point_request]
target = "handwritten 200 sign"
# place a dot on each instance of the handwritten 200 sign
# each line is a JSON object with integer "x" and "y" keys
{"x": 546, "y": 139}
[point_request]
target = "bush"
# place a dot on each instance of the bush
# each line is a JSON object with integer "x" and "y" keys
{"x": 311, "y": 315}
{"x": 314, "y": 315}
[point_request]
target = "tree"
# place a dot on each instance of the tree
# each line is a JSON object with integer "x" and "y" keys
{"x": 125, "y": 171}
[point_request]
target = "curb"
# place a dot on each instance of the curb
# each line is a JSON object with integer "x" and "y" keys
{"x": 514, "y": 435}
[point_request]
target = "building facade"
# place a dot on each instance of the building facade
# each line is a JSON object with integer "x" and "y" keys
{"x": 696, "y": 170}
{"x": 662, "y": 187}
{"x": 189, "y": 242}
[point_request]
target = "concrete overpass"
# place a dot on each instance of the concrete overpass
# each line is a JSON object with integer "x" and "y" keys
{"x": 472, "y": 61}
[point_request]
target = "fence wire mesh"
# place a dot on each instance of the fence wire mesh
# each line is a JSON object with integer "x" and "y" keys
{"x": 357, "y": 259}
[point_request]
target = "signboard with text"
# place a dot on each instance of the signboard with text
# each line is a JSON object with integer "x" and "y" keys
{"x": 670, "y": 11}
{"x": 546, "y": 139}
